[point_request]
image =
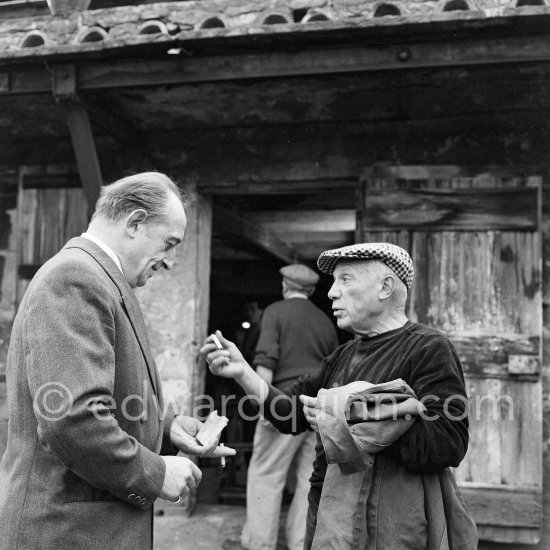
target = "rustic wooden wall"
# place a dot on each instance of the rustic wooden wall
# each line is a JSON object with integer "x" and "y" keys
{"x": 8, "y": 198}
{"x": 544, "y": 543}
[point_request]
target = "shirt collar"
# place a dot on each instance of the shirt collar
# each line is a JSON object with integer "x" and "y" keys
{"x": 105, "y": 249}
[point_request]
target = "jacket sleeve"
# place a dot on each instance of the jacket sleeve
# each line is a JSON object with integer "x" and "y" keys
{"x": 283, "y": 408}
{"x": 70, "y": 358}
{"x": 438, "y": 438}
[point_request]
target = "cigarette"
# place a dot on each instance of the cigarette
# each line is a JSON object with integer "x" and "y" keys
{"x": 216, "y": 341}
{"x": 222, "y": 459}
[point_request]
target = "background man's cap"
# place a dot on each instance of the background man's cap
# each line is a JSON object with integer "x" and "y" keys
{"x": 395, "y": 257}
{"x": 300, "y": 274}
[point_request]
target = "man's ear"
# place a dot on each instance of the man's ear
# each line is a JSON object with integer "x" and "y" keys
{"x": 388, "y": 286}
{"x": 134, "y": 219}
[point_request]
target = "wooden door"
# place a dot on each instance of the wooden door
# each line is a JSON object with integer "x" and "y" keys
{"x": 475, "y": 239}
{"x": 51, "y": 209}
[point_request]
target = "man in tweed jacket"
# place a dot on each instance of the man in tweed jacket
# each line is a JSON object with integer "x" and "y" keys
{"x": 86, "y": 425}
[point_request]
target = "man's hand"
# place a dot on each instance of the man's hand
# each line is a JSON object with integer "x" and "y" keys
{"x": 227, "y": 362}
{"x": 181, "y": 476}
{"x": 309, "y": 404}
{"x": 182, "y": 435}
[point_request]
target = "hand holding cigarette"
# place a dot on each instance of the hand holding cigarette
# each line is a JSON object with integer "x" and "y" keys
{"x": 216, "y": 341}
{"x": 223, "y": 357}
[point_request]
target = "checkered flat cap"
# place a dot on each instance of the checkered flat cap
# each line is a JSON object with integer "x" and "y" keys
{"x": 395, "y": 257}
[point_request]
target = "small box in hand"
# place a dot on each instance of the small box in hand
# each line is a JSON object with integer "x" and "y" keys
{"x": 212, "y": 427}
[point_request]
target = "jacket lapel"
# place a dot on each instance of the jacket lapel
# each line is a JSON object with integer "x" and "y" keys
{"x": 129, "y": 300}
{"x": 136, "y": 318}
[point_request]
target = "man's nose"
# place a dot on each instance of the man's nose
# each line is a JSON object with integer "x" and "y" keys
{"x": 168, "y": 262}
{"x": 333, "y": 292}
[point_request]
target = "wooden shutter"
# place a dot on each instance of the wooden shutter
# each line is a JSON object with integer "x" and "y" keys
{"x": 51, "y": 209}
{"x": 475, "y": 239}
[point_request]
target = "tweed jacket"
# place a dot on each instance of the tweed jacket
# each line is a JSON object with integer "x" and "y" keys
{"x": 82, "y": 468}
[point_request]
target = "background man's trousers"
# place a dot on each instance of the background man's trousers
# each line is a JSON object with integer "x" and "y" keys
{"x": 272, "y": 457}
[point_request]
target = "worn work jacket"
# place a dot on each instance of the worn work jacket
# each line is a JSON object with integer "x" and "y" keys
{"x": 369, "y": 500}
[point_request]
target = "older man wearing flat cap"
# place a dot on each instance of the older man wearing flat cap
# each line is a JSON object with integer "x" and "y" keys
{"x": 405, "y": 496}
{"x": 295, "y": 336}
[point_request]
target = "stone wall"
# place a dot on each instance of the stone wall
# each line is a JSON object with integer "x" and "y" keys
{"x": 175, "y": 307}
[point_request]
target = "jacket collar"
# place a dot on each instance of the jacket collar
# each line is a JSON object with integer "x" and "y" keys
{"x": 131, "y": 305}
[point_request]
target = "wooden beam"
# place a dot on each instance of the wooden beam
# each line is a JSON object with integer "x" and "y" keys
{"x": 304, "y": 220}
{"x": 50, "y": 181}
{"x": 313, "y": 186}
{"x": 328, "y": 60}
{"x": 234, "y": 224}
{"x": 85, "y": 150}
{"x": 363, "y": 56}
{"x": 64, "y": 91}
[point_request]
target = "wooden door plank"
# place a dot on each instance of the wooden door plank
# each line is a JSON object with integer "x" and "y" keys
{"x": 520, "y": 507}
{"x": 457, "y": 209}
{"x": 468, "y": 284}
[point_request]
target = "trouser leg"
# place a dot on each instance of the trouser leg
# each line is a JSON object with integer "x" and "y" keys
{"x": 297, "y": 513}
{"x": 272, "y": 455}
{"x": 313, "y": 499}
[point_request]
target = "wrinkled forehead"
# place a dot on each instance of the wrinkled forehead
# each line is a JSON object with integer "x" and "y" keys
{"x": 357, "y": 267}
{"x": 175, "y": 220}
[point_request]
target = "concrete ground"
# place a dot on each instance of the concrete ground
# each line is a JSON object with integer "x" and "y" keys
{"x": 209, "y": 527}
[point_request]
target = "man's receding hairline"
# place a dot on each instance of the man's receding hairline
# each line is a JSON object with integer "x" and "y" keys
{"x": 150, "y": 191}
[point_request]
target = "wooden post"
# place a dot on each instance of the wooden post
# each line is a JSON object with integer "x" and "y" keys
{"x": 64, "y": 92}
{"x": 85, "y": 150}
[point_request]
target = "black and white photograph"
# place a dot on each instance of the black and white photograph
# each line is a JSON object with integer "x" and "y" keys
{"x": 275, "y": 275}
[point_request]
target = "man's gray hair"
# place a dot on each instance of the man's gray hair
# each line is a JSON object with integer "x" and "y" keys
{"x": 148, "y": 191}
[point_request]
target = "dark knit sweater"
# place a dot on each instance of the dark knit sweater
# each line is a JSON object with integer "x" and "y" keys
{"x": 295, "y": 337}
{"x": 421, "y": 356}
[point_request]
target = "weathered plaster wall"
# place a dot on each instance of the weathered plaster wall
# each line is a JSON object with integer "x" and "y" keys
{"x": 175, "y": 307}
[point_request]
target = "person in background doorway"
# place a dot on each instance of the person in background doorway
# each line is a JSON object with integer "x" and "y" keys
{"x": 248, "y": 333}
{"x": 295, "y": 336}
